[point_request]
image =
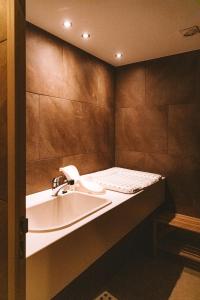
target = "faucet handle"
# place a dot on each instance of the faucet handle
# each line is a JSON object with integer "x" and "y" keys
{"x": 71, "y": 181}
{"x": 57, "y": 181}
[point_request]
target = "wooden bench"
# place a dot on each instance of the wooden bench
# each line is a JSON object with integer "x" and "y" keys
{"x": 175, "y": 225}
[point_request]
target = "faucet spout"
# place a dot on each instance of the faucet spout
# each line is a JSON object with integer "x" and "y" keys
{"x": 59, "y": 183}
{"x": 56, "y": 190}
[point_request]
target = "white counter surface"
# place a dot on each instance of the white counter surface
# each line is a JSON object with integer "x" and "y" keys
{"x": 37, "y": 241}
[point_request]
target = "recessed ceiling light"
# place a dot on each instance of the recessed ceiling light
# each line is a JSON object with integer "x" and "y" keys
{"x": 85, "y": 35}
{"x": 118, "y": 55}
{"x": 67, "y": 24}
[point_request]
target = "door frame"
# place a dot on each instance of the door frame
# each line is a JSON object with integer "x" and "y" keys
{"x": 16, "y": 140}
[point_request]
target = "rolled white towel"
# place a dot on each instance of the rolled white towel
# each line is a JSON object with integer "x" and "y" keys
{"x": 82, "y": 185}
{"x": 71, "y": 172}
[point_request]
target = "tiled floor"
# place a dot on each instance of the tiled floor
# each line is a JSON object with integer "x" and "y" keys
{"x": 105, "y": 296}
{"x": 139, "y": 277}
{"x": 163, "y": 278}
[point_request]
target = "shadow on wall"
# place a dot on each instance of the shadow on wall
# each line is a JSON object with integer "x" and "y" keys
{"x": 169, "y": 200}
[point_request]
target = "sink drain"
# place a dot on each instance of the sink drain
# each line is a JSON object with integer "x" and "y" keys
{"x": 106, "y": 296}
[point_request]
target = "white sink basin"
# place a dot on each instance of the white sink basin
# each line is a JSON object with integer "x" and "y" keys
{"x": 63, "y": 211}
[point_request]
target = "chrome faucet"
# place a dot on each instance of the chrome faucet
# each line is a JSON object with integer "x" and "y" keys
{"x": 59, "y": 183}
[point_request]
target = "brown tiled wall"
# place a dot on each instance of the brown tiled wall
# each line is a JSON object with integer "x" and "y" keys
{"x": 3, "y": 150}
{"x": 70, "y": 109}
{"x": 158, "y": 124}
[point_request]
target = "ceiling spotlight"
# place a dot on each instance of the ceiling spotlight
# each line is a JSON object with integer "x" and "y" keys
{"x": 118, "y": 55}
{"x": 85, "y": 35}
{"x": 67, "y": 24}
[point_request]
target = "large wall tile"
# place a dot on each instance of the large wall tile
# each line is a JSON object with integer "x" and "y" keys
{"x": 105, "y": 85}
{"x": 130, "y": 160}
{"x": 72, "y": 127}
{"x": 185, "y": 187}
{"x": 44, "y": 61}
{"x": 84, "y": 122}
{"x": 130, "y": 86}
{"x": 89, "y": 79}
{"x": 79, "y": 72}
{"x": 3, "y": 121}
{"x": 59, "y": 128}
{"x": 171, "y": 80}
{"x": 3, "y": 25}
{"x": 184, "y": 129}
{"x": 95, "y": 124}
{"x": 32, "y": 126}
{"x": 104, "y": 128}
{"x": 142, "y": 129}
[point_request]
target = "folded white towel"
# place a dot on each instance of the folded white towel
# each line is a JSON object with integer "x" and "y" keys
{"x": 124, "y": 180}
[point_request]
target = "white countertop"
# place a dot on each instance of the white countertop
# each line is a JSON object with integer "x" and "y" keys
{"x": 37, "y": 241}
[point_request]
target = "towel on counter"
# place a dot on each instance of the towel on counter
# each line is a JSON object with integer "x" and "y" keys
{"x": 124, "y": 180}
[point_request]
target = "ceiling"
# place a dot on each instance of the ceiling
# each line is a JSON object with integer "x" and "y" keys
{"x": 140, "y": 29}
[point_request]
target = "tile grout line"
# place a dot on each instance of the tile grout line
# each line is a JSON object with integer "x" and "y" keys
{"x": 62, "y": 157}
{"x": 72, "y": 100}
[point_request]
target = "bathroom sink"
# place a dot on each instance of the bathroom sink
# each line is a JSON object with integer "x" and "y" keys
{"x": 63, "y": 211}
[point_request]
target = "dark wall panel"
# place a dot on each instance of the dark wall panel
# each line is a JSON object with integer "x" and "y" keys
{"x": 158, "y": 124}
{"x": 70, "y": 109}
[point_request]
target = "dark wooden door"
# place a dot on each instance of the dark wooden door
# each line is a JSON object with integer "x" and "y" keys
{"x": 16, "y": 154}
